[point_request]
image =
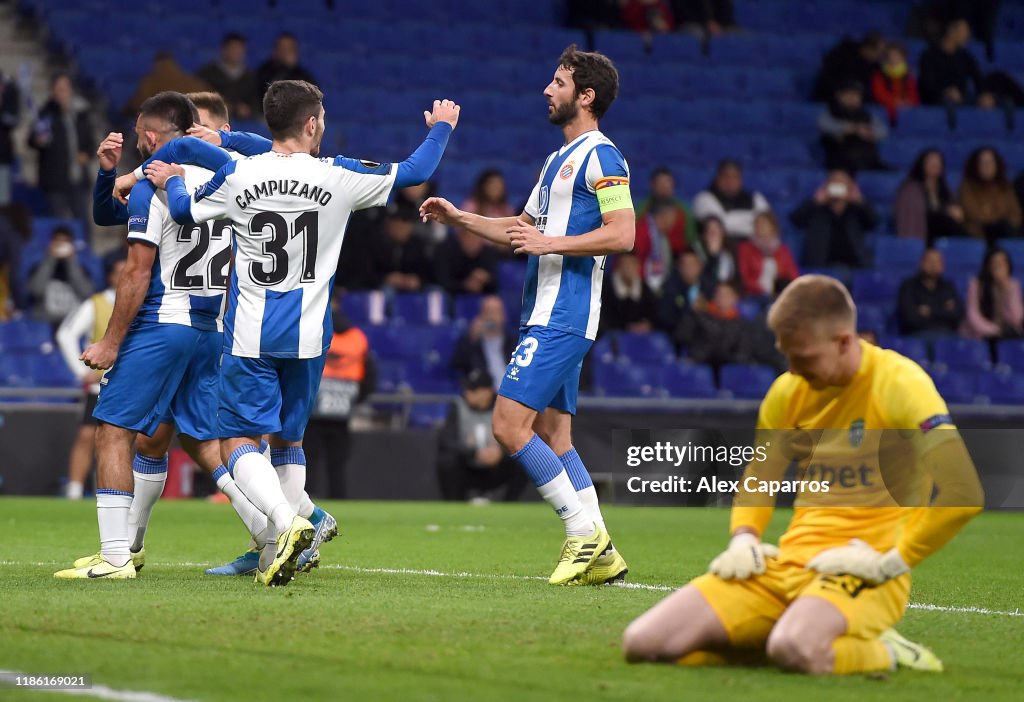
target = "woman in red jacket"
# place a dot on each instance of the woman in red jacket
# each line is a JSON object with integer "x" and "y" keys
{"x": 765, "y": 261}
{"x": 893, "y": 85}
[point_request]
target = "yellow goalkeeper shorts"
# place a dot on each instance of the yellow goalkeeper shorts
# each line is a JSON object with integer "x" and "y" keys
{"x": 748, "y": 609}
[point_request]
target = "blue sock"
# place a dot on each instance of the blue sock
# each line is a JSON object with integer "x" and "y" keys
{"x": 149, "y": 466}
{"x": 317, "y": 516}
{"x": 577, "y": 471}
{"x": 539, "y": 461}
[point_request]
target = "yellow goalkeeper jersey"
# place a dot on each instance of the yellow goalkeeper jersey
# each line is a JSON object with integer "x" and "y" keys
{"x": 865, "y": 440}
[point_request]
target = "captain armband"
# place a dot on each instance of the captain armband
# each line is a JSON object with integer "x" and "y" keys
{"x": 613, "y": 194}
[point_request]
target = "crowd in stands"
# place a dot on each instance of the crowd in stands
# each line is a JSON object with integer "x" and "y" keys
{"x": 706, "y": 264}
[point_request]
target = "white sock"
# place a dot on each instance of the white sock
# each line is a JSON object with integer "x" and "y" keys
{"x": 112, "y": 514}
{"x": 588, "y": 497}
{"x": 73, "y": 490}
{"x": 150, "y": 476}
{"x": 256, "y": 478}
{"x": 560, "y": 494}
{"x": 254, "y": 520}
{"x": 290, "y": 464}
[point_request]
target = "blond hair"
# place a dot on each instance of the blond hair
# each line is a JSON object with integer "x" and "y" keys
{"x": 813, "y": 299}
{"x": 213, "y": 103}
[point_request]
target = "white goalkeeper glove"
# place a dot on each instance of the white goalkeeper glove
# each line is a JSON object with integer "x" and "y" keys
{"x": 861, "y": 560}
{"x": 745, "y": 556}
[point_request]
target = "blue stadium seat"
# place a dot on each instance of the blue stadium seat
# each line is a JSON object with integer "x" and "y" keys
{"x": 428, "y": 415}
{"x": 980, "y": 124}
{"x": 686, "y": 380}
{"x": 1011, "y": 353}
{"x": 390, "y": 375}
{"x": 879, "y": 186}
{"x": 874, "y": 317}
{"x": 922, "y": 122}
{"x": 873, "y": 286}
{"x": 25, "y": 334}
{"x": 49, "y": 370}
{"x": 511, "y": 275}
{"x": 466, "y": 308}
{"x": 420, "y": 308}
{"x": 652, "y": 348}
{"x": 962, "y": 255}
{"x": 898, "y": 254}
{"x": 1014, "y": 248}
{"x": 745, "y": 381}
{"x": 965, "y": 354}
{"x": 677, "y": 47}
{"x": 617, "y": 379}
{"x": 914, "y": 349}
{"x": 1002, "y": 388}
{"x": 956, "y": 386}
{"x": 621, "y": 45}
{"x": 365, "y": 307}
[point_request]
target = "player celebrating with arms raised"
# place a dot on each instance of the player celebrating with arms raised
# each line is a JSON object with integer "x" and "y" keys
{"x": 872, "y": 423}
{"x": 290, "y": 210}
{"x": 579, "y": 212}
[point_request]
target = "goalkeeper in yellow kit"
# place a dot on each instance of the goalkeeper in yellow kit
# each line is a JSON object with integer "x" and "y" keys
{"x": 901, "y": 484}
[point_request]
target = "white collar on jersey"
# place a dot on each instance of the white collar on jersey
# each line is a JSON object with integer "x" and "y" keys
{"x": 582, "y": 136}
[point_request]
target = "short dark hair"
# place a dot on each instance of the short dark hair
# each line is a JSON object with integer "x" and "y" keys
{"x": 660, "y": 171}
{"x": 661, "y": 204}
{"x": 174, "y": 108}
{"x": 591, "y": 70}
{"x": 230, "y": 37}
{"x": 286, "y": 35}
{"x": 62, "y": 229}
{"x": 288, "y": 104}
{"x": 212, "y": 103}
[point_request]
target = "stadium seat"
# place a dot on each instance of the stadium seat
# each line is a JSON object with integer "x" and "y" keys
{"x": 962, "y": 255}
{"x": 914, "y": 349}
{"x": 420, "y": 308}
{"x": 1011, "y": 353}
{"x": 874, "y": 286}
{"x": 922, "y": 121}
{"x": 963, "y": 354}
{"x": 687, "y": 380}
{"x": 745, "y": 381}
{"x": 956, "y": 386}
{"x": 652, "y": 348}
{"x": 1002, "y": 388}
{"x": 617, "y": 379}
{"x": 980, "y": 124}
{"x": 25, "y": 335}
{"x": 465, "y": 308}
{"x": 874, "y": 317}
{"x": 428, "y": 415}
{"x": 1014, "y": 248}
{"x": 511, "y": 275}
{"x": 365, "y": 307}
{"x": 897, "y": 254}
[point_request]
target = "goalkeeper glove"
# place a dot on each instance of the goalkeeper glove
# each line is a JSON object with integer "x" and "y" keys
{"x": 859, "y": 559}
{"x": 745, "y": 556}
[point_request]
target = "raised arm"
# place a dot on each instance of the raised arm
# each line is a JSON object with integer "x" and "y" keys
{"x": 106, "y": 211}
{"x": 494, "y": 229}
{"x": 210, "y": 199}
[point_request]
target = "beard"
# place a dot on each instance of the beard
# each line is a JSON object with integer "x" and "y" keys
{"x": 144, "y": 149}
{"x": 563, "y": 114}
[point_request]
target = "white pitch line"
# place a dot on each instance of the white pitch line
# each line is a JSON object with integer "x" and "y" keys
{"x": 102, "y": 692}
{"x": 970, "y": 609}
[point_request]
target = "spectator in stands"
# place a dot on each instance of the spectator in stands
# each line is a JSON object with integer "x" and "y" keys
{"x": 594, "y": 14}
{"x": 950, "y": 76}
{"x": 490, "y": 199}
{"x": 10, "y": 115}
{"x": 399, "y": 260}
{"x": 717, "y": 335}
{"x": 165, "y": 74}
{"x": 654, "y": 245}
{"x": 63, "y": 137}
{"x": 487, "y": 344}
{"x": 682, "y": 293}
{"x": 719, "y": 263}
{"x": 649, "y": 16}
{"x": 850, "y": 133}
{"x": 994, "y": 306}
{"x": 929, "y": 305}
{"x": 726, "y": 199}
{"x": 350, "y": 375}
{"x": 283, "y": 64}
{"x": 893, "y": 86}
{"x": 58, "y": 283}
{"x": 11, "y": 243}
{"x": 626, "y": 301}
{"x": 470, "y": 463}
{"x": 233, "y": 79}
{"x": 836, "y": 221}
{"x": 415, "y": 195}
{"x": 851, "y": 60}
{"x": 466, "y": 265}
{"x": 925, "y": 208}
{"x": 765, "y": 263}
{"x": 89, "y": 322}
{"x": 707, "y": 18}
{"x": 991, "y": 209}
{"x": 663, "y": 187}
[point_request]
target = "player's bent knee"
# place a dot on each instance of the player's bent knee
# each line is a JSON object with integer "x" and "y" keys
{"x": 638, "y": 643}
{"x": 799, "y": 654}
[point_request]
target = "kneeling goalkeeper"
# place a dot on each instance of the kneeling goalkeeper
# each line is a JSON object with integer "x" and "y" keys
{"x": 902, "y": 484}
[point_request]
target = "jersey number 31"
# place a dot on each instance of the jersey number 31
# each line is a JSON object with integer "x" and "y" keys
{"x": 281, "y": 232}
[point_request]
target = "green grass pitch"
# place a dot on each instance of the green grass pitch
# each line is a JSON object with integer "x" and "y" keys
{"x": 484, "y": 626}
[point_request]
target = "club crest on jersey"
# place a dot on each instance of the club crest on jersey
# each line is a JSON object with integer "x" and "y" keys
{"x": 856, "y": 433}
{"x": 543, "y": 197}
{"x": 566, "y": 171}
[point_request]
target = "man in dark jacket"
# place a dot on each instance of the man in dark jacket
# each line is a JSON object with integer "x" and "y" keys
{"x": 283, "y": 64}
{"x": 930, "y": 307}
{"x": 62, "y": 136}
{"x": 400, "y": 260}
{"x": 470, "y": 464}
{"x": 487, "y": 345}
{"x": 836, "y": 222}
{"x": 10, "y": 113}
{"x": 850, "y": 60}
{"x": 233, "y": 79}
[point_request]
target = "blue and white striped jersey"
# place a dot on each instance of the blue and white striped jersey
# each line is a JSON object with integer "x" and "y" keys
{"x": 189, "y": 275}
{"x": 290, "y": 212}
{"x": 564, "y": 292}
